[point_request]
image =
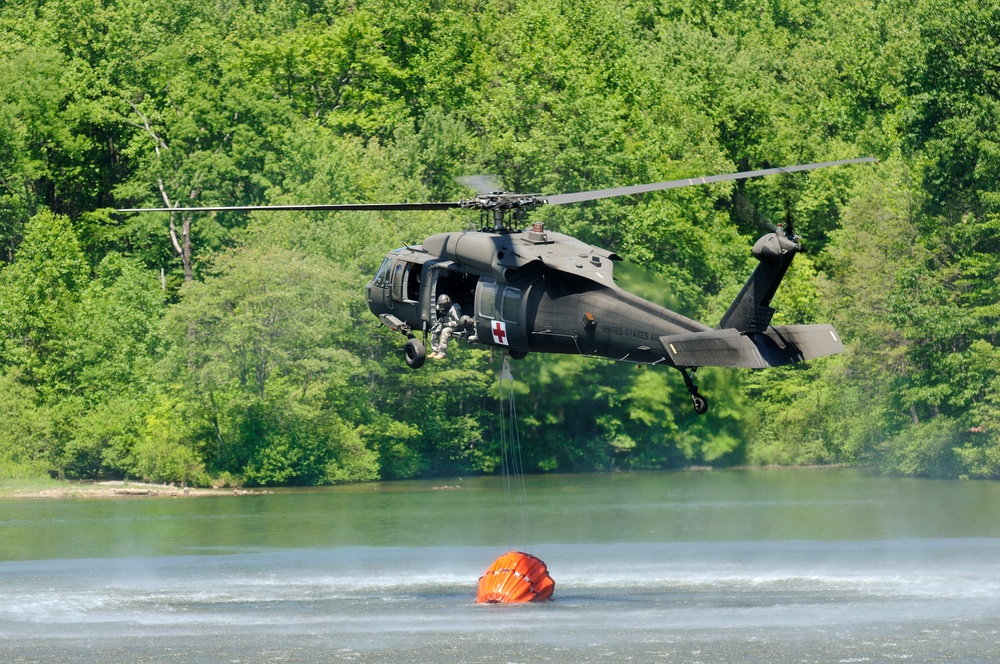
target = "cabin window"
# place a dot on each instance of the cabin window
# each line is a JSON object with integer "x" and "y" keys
{"x": 413, "y": 282}
{"x": 397, "y": 281}
{"x": 511, "y": 305}
{"x": 487, "y": 299}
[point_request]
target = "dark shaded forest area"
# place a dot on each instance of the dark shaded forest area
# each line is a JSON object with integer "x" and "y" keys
{"x": 237, "y": 348}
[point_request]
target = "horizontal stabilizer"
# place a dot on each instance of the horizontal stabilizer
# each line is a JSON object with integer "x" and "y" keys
{"x": 774, "y": 347}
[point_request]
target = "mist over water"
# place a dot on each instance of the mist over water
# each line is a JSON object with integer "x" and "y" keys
{"x": 798, "y": 566}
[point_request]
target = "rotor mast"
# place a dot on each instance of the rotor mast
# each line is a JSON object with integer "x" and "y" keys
{"x": 505, "y": 210}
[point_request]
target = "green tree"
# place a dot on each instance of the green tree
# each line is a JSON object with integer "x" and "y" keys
{"x": 952, "y": 117}
{"x": 253, "y": 345}
{"x": 39, "y": 294}
{"x": 113, "y": 337}
{"x": 27, "y": 438}
{"x": 111, "y": 351}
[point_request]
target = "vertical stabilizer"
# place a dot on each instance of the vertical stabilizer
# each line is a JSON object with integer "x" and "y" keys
{"x": 751, "y": 310}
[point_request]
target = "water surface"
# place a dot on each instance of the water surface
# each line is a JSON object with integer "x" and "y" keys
{"x": 741, "y": 566}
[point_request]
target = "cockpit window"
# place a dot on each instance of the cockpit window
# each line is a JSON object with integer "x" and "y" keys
{"x": 383, "y": 273}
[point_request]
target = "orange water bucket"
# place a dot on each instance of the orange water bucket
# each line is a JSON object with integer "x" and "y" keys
{"x": 513, "y": 578}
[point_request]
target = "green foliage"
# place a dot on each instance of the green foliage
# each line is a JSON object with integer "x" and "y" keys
{"x": 953, "y": 116}
{"x": 102, "y": 442}
{"x": 191, "y": 347}
{"x": 925, "y": 449}
{"x": 252, "y": 349}
{"x": 38, "y": 295}
{"x": 163, "y": 452}
{"x": 113, "y": 337}
{"x": 26, "y": 438}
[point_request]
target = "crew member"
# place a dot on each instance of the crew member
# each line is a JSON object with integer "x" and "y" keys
{"x": 449, "y": 318}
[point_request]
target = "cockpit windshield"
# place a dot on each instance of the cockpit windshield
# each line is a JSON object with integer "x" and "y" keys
{"x": 382, "y": 276}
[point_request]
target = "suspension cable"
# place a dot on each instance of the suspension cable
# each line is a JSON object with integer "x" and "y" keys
{"x": 512, "y": 466}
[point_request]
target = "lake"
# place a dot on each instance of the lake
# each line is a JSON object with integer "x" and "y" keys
{"x": 787, "y": 565}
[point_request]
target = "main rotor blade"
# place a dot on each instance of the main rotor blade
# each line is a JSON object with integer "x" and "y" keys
{"x": 579, "y": 197}
{"x": 504, "y": 200}
{"x": 321, "y": 207}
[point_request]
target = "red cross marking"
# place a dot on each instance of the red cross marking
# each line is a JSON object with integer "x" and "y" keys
{"x": 500, "y": 333}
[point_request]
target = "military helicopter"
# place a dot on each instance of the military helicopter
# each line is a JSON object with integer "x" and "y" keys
{"x": 534, "y": 290}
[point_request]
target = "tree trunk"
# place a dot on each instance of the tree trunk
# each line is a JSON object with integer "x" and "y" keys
{"x": 186, "y": 248}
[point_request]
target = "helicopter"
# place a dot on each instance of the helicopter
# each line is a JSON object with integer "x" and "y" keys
{"x": 532, "y": 290}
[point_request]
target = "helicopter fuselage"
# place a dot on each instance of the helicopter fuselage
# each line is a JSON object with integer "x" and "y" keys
{"x": 526, "y": 291}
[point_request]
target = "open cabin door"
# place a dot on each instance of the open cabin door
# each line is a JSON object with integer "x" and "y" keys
{"x": 444, "y": 279}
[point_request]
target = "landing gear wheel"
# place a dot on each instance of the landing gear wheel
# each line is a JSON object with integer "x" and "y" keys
{"x": 700, "y": 402}
{"x": 414, "y": 353}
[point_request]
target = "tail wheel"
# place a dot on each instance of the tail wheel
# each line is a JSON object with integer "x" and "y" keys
{"x": 414, "y": 353}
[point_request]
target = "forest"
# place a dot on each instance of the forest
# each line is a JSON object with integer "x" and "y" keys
{"x": 237, "y": 349}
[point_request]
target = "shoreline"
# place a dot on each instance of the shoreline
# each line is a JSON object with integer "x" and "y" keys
{"x": 42, "y": 489}
{"x": 115, "y": 489}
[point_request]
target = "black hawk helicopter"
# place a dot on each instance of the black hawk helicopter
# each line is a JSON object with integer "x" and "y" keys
{"x": 534, "y": 290}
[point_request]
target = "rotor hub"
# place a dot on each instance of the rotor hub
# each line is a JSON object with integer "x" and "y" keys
{"x": 503, "y": 210}
{"x": 501, "y": 200}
